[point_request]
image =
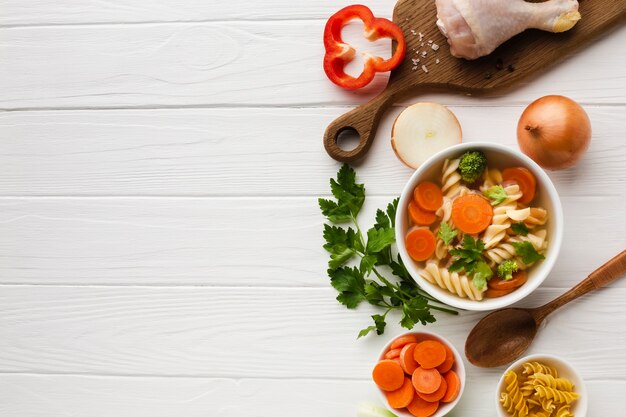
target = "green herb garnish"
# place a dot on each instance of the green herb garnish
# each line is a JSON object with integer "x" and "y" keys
{"x": 519, "y": 229}
{"x": 527, "y": 252}
{"x": 366, "y": 282}
{"x": 497, "y": 194}
{"x": 446, "y": 233}
{"x": 482, "y": 274}
{"x": 468, "y": 255}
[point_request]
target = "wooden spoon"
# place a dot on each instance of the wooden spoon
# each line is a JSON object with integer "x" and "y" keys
{"x": 502, "y": 336}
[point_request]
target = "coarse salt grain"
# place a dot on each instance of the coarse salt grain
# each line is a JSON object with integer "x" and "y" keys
{"x": 424, "y": 68}
{"x": 436, "y": 61}
{"x": 424, "y": 54}
{"x": 421, "y": 36}
{"x": 414, "y": 68}
{"x": 430, "y": 41}
{"x": 434, "y": 46}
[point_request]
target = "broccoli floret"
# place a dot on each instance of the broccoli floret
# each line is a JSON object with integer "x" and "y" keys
{"x": 472, "y": 166}
{"x": 506, "y": 269}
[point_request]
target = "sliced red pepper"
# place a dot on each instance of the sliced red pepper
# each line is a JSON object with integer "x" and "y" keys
{"x": 339, "y": 53}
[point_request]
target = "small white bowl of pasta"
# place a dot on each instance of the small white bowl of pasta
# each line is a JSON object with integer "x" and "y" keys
{"x": 542, "y": 385}
{"x": 541, "y": 219}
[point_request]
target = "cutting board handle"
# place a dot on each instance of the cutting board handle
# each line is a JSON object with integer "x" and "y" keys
{"x": 363, "y": 121}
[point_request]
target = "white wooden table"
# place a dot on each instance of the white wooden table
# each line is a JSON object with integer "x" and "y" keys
{"x": 160, "y": 241}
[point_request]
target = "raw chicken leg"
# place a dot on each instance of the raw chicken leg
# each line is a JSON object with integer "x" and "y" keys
{"x": 476, "y": 27}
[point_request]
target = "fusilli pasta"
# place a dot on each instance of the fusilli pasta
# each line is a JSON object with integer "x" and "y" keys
{"x": 450, "y": 178}
{"x": 457, "y": 284}
{"x": 501, "y": 221}
{"x": 513, "y": 391}
{"x": 556, "y": 394}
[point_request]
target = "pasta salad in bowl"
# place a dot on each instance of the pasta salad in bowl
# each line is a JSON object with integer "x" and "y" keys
{"x": 479, "y": 226}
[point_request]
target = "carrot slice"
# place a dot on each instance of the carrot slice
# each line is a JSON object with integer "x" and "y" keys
{"x": 393, "y": 353}
{"x": 426, "y": 381}
{"x": 519, "y": 279}
{"x": 422, "y": 408}
{"x": 447, "y": 364}
{"x": 403, "y": 340}
{"x": 454, "y": 386}
{"x": 428, "y": 196}
{"x": 420, "y": 243}
{"x": 430, "y": 354}
{"x": 397, "y": 360}
{"x": 408, "y": 362}
{"x": 525, "y": 179}
{"x": 471, "y": 213}
{"x": 388, "y": 375}
{"x": 491, "y": 293}
{"x": 419, "y": 216}
{"x": 401, "y": 397}
{"x": 437, "y": 395}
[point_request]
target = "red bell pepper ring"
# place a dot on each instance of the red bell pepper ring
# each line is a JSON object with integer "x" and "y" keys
{"x": 339, "y": 53}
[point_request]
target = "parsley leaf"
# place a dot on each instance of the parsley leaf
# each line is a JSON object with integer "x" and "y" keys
{"x": 341, "y": 244}
{"x": 347, "y": 192}
{"x": 350, "y": 284}
{"x": 497, "y": 194}
{"x": 482, "y": 274}
{"x": 379, "y": 326}
{"x": 379, "y": 239}
{"x": 519, "y": 229}
{"x": 468, "y": 255}
{"x": 333, "y": 211}
{"x": 527, "y": 252}
{"x": 446, "y": 233}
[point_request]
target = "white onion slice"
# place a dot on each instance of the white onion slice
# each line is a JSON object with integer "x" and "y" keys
{"x": 422, "y": 130}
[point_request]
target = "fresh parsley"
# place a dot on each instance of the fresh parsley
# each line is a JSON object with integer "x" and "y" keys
{"x": 468, "y": 255}
{"x": 527, "y": 252}
{"x": 446, "y": 233}
{"x": 519, "y": 229}
{"x": 366, "y": 282}
{"x": 497, "y": 194}
{"x": 482, "y": 274}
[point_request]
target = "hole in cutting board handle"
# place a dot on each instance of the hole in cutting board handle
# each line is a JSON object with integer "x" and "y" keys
{"x": 348, "y": 139}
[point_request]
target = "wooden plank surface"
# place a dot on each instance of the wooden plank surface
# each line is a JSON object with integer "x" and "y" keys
{"x": 228, "y": 241}
{"x": 228, "y": 64}
{"x": 63, "y": 395}
{"x": 160, "y": 247}
{"x": 253, "y": 332}
{"x": 246, "y": 152}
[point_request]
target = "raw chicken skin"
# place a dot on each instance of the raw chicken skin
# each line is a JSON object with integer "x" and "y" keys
{"x": 475, "y": 28}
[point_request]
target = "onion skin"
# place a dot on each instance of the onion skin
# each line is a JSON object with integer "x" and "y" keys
{"x": 554, "y": 131}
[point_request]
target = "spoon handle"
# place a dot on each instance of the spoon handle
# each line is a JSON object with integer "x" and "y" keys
{"x": 610, "y": 271}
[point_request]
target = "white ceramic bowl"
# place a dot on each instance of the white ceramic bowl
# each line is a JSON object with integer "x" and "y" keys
{"x": 458, "y": 367}
{"x": 498, "y": 156}
{"x": 565, "y": 369}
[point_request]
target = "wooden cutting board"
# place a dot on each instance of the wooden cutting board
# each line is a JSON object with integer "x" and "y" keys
{"x": 526, "y": 54}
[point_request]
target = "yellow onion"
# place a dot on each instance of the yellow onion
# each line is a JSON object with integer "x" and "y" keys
{"x": 554, "y": 131}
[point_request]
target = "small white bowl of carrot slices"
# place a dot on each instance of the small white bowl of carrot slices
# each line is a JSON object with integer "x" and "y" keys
{"x": 420, "y": 374}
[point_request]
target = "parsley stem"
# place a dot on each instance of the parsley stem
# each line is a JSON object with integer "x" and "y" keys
{"x": 446, "y": 310}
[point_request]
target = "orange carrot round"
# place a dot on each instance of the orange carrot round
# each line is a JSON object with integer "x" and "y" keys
{"x": 406, "y": 358}
{"x": 428, "y": 196}
{"x": 519, "y": 279}
{"x": 471, "y": 213}
{"x": 399, "y": 342}
{"x": 430, "y": 354}
{"x": 437, "y": 395}
{"x": 426, "y": 381}
{"x": 420, "y": 244}
{"x": 525, "y": 179}
{"x": 393, "y": 353}
{"x": 421, "y": 408}
{"x": 447, "y": 364}
{"x": 491, "y": 293}
{"x": 419, "y": 216}
{"x": 388, "y": 375}
{"x": 401, "y": 397}
{"x": 454, "y": 386}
